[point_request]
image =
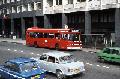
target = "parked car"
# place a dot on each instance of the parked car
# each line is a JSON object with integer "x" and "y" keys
{"x": 60, "y": 63}
{"x": 21, "y": 68}
{"x": 110, "y": 54}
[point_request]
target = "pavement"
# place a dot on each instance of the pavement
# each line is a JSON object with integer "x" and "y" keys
{"x": 21, "y": 41}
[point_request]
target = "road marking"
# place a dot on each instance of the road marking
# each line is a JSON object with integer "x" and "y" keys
{"x": 98, "y": 65}
{"x": 89, "y": 64}
{"x": 104, "y": 66}
{"x": 107, "y": 67}
{"x": 32, "y": 53}
{"x": 15, "y": 50}
{"x": 38, "y": 54}
{"x": 24, "y": 44}
{"x": 21, "y": 51}
{"x": 8, "y": 49}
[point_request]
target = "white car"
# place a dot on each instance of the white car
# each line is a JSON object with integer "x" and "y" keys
{"x": 60, "y": 63}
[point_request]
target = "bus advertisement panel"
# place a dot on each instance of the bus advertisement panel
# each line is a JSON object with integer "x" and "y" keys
{"x": 53, "y": 38}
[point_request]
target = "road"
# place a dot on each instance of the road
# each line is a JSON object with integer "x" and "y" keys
{"x": 94, "y": 69}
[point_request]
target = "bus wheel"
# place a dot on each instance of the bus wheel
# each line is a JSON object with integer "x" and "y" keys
{"x": 35, "y": 45}
{"x": 57, "y": 46}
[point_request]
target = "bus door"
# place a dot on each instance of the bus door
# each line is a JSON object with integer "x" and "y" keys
{"x": 51, "y": 40}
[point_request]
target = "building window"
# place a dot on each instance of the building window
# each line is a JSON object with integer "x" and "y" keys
{"x": 12, "y": 0}
{"x": 8, "y": 1}
{"x": 25, "y": 7}
{"x": 70, "y": 1}
{"x": 31, "y": 6}
{"x": 82, "y": 0}
{"x": 8, "y": 11}
{"x": 39, "y": 5}
{"x": 0, "y": 2}
{"x": 0, "y": 11}
{"x": 4, "y": 11}
{"x": 58, "y": 2}
{"x": 14, "y": 9}
{"x": 19, "y": 9}
{"x": 18, "y": 0}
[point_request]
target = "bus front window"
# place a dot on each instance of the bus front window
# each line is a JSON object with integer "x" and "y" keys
{"x": 74, "y": 37}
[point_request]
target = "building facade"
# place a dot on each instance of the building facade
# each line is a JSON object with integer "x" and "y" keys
{"x": 90, "y": 16}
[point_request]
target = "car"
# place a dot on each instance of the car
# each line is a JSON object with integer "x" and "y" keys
{"x": 60, "y": 63}
{"x": 21, "y": 68}
{"x": 110, "y": 54}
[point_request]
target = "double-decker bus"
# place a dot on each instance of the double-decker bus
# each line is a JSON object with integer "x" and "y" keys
{"x": 53, "y": 38}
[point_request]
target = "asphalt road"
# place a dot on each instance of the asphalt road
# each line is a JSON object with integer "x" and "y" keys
{"x": 94, "y": 69}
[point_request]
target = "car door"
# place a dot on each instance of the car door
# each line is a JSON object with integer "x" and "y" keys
{"x": 43, "y": 62}
{"x": 51, "y": 65}
{"x": 115, "y": 57}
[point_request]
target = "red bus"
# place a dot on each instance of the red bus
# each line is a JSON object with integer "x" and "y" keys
{"x": 53, "y": 38}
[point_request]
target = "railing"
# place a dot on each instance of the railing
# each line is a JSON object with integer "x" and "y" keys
{"x": 58, "y": 9}
{"x": 80, "y": 5}
{"x": 94, "y": 5}
{"x": 49, "y": 10}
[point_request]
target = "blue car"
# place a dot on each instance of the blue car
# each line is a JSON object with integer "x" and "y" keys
{"x": 21, "y": 68}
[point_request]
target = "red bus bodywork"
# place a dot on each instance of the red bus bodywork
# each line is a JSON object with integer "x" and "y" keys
{"x": 52, "y": 38}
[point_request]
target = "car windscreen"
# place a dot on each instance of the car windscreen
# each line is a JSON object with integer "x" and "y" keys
{"x": 28, "y": 66}
{"x": 67, "y": 59}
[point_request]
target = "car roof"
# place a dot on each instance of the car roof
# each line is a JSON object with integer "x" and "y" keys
{"x": 117, "y": 48}
{"x": 21, "y": 60}
{"x": 57, "y": 54}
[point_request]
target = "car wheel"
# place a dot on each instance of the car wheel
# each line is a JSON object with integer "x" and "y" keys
{"x": 59, "y": 75}
{"x": 101, "y": 60}
{"x": 1, "y": 77}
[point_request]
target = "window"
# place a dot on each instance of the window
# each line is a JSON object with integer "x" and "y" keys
{"x": 0, "y": 11}
{"x": 12, "y": 0}
{"x": 0, "y": 2}
{"x": 51, "y": 35}
{"x": 4, "y": 11}
{"x": 40, "y": 35}
{"x": 82, "y": 0}
{"x": 18, "y": 0}
{"x": 45, "y": 35}
{"x": 13, "y": 9}
{"x": 18, "y": 9}
{"x": 70, "y": 1}
{"x": 12, "y": 67}
{"x": 115, "y": 51}
{"x": 31, "y": 6}
{"x": 58, "y": 2}
{"x": 107, "y": 50}
{"x": 8, "y": 1}
{"x": 39, "y": 5}
{"x": 43, "y": 57}
{"x": 51, "y": 59}
{"x": 57, "y": 35}
{"x": 25, "y": 7}
{"x": 8, "y": 11}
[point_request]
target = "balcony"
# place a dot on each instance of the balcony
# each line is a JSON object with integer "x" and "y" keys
{"x": 58, "y": 9}
{"x": 94, "y": 5}
{"x": 49, "y": 10}
{"x": 80, "y": 6}
{"x": 108, "y": 4}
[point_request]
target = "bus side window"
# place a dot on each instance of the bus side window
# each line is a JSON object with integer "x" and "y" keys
{"x": 45, "y": 35}
{"x": 31, "y": 34}
{"x": 40, "y": 35}
{"x": 51, "y": 35}
{"x": 57, "y": 35}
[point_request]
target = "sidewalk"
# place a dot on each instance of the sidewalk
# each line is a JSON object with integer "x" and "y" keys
{"x": 13, "y": 40}
{"x": 20, "y": 41}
